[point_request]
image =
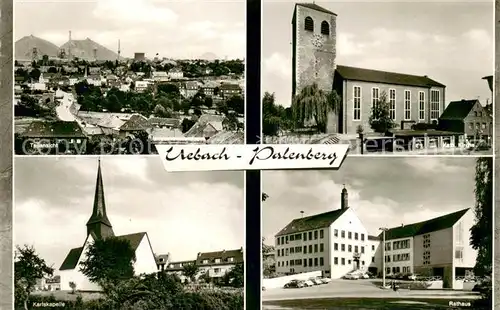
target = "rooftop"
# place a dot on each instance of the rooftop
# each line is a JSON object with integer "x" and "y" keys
{"x": 376, "y": 76}
{"x": 321, "y": 220}
{"x": 458, "y": 110}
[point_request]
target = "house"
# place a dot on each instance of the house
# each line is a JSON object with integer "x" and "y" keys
{"x": 160, "y": 76}
{"x": 46, "y": 137}
{"x": 468, "y": 117}
{"x": 411, "y": 98}
{"x": 438, "y": 247}
{"x": 227, "y": 90}
{"x": 206, "y": 126}
{"x": 137, "y": 123}
{"x": 214, "y": 264}
{"x": 162, "y": 122}
{"x": 189, "y": 89}
{"x": 141, "y": 86}
{"x": 175, "y": 73}
{"x": 210, "y": 88}
{"x": 162, "y": 261}
{"x": 99, "y": 227}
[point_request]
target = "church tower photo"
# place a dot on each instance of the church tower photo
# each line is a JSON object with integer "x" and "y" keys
{"x": 313, "y": 47}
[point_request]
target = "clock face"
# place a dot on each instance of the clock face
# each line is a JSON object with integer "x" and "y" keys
{"x": 317, "y": 40}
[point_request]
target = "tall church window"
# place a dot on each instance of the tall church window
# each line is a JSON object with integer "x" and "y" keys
{"x": 392, "y": 103}
{"x": 375, "y": 96}
{"x": 407, "y": 105}
{"x": 357, "y": 103}
{"x": 421, "y": 105}
{"x": 435, "y": 101}
{"x": 325, "y": 28}
{"x": 309, "y": 24}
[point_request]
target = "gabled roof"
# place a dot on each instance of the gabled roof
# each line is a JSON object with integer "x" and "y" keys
{"x": 227, "y": 137}
{"x": 374, "y": 238}
{"x": 368, "y": 75}
{"x": 163, "y": 121}
{"x": 458, "y": 110}
{"x": 197, "y": 129}
{"x": 55, "y": 129}
{"x": 224, "y": 256}
{"x": 71, "y": 260}
{"x": 425, "y": 227}
{"x": 321, "y": 220}
{"x": 135, "y": 123}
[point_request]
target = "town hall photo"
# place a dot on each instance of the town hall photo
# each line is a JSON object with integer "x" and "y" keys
{"x": 384, "y": 77}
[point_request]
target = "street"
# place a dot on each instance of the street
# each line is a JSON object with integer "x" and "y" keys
{"x": 350, "y": 293}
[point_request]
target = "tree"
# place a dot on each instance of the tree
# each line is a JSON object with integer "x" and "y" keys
{"x": 271, "y": 120}
{"x": 380, "y": 119}
{"x": 109, "y": 260}
{"x": 28, "y": 268}
{"x": 268, "y": 261}
{"x": 230, "y": 122}
{"x": 187, "y": 124}
{"x": 170, "y": 89}
{"x": 482, "y": 231}
{"x": 209, "y": 102}
{"x": 314, "y": 104}
{"x": 190, "y": 271}
{"x": 235, "y": 277}
{"x": 237, "y": 104}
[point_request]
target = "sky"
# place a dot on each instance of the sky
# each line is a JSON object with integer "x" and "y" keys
{"x": 383, "y": 192}
{"x": 176, "y": 29}
{"x": 183, "y": 213}
{"x": 450, "y": 41}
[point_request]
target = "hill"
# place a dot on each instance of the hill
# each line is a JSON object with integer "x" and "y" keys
{"x": 84, "y": 49}
{"x": 23, "y": 49}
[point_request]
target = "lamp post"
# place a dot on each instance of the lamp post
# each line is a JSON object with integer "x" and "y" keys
{"x": 383, "y": 229}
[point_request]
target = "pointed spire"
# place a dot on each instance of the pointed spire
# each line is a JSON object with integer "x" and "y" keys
{"x": 99, "y": 223}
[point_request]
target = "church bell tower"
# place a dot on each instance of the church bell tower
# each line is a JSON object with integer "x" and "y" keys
{"x": 99, "y": 224}
{"x": 313, "y": 47}
{"x": 344, "y": 201}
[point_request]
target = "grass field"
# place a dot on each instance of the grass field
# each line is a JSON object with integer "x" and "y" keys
{"x": 67, "y": 295}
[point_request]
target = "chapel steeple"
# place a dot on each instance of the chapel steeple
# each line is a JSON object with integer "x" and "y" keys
{"x": 99, "y": 224}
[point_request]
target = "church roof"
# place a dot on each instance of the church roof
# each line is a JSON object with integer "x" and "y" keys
{"x": 99, "y": 209}
{"x": 71, "y": 260}
{"x": 376, "y": 76}
{"x": 316, "y": 221}
{"x": 425, "y": 227}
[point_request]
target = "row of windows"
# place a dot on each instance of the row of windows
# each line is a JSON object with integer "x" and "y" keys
{"x": 343, "y": 260}
{"x": 398, "y": 245}
{"x": 349, "y": 248}
{"x": 397, "y": 257}
{"x": 298, "y": 249}
{"x": 309, "y": 26}
{"x": 301, "y": 236}
{"x": 398, "y": 269}
{"x": 435, "y": 99}
{"x": 349, "y": 235}
{"x": 311, "y": 262}
{"x": 478, "y": 125}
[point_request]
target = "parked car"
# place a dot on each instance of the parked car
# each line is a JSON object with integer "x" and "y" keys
{"x": 316, "y": 281}
{"x": 308, "y": 283}
{"x": 326, "y": 280}
{"x": 295, "y": 284}
{"x": 352, "y": 276}
{"x": 410, "y": 276}
{"x": 365, "y": 276}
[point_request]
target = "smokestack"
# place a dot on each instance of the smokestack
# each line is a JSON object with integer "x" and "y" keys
{"x": 344, "y": 201}
{"x": 69, "y": 46}
{"x": 95, "y": 54}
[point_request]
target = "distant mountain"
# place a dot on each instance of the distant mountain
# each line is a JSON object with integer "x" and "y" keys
{"x": 88, "y": 50}
{"x": 24, "y": 48}
{"x": 208, "y": 56}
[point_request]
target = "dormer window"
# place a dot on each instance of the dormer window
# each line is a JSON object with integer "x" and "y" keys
{"x": 171, "y": 266}
{"x": 205, "y": 261}
{"x": 309, "y": 24}
{"x": 217, "y": 260}
{"x": 325, "y": 28}
{"x": 230, "y": 259}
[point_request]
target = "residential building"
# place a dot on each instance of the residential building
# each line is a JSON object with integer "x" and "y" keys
{"x": 160, "y": 76}
{"x": 215, "y": 264}
{"x": 99, "y": 227}
{"x": 468, "y": 117}
{"x": 189, "y": 89}
{"x": 141, "y": 86}
{"x": 333, "y": 242}
{"x": 175, "y": 73}
{"x": 227, "y": 90}
{"x": 436, "y": 247}
{"x": 412, "y": 99}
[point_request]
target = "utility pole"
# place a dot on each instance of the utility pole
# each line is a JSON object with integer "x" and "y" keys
{"x": 383, "y": 229}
